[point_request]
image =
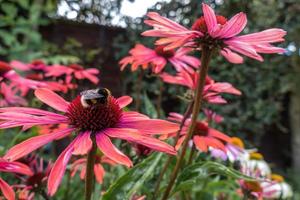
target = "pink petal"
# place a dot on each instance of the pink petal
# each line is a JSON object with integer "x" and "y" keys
{"x": 133, "y": 135}
{"x": 263, "y": 37}
{"x": 233, "y": 27}
{"x": 150, "y": 126}
{"x": 15, "y": 167}
{"x": 84, "y": 144}
{"x": 124, "y": 101}
{"x": 210, "y": 17}
{"x": 26, "y": 147}
{"x": 7, "y": 191}
{"x": 243, "y": 48}
{"x": 109, "y": 150}
{"x": 231, "y": 56}
{"x": 52, "y": 99}
{"x": 99, "y": 173}
{"x": 200, "y": 143}
{"x": 59, "y": 168}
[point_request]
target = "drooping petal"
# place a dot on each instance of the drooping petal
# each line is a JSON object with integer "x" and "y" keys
{"x": 109, "y": 150}
{"x": 26, "y": 147}
{"x": 59, "y": 168}
{"x": 15, "y": 167}
{"x": 231, "y": 56}
{"x": 99, "y": 173}
{"x": 124, "y": 101}
{"x": 210, "y": 18}
{"x": 7, "y": 191}
{"x": 150, "y": 126}
{"x": 84, "y": 144}
{"x": 132, "y": 135}
{"x": 51, "y": 99}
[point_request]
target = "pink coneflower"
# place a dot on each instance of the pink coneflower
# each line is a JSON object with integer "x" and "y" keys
{"x": 203, "y": 137}
{"x": 80, "y": 165}
{"x": 13, "y": 167}
{"x": 7, "y": 73}
{"x": 9, "y": 96}
{"x": 36, "y": 182}
{"x": 211, "y": 91}
{"x": 74, "y": 69}
{"x": 93, "y": 113}
{"x": 158, "y": 58}
{"x": 216, "y": 32}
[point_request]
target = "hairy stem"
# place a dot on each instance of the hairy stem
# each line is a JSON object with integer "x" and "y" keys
{"x": 205, "y": 59}
{"x": 163, "y": 171}
{"x": 89, "y": 176}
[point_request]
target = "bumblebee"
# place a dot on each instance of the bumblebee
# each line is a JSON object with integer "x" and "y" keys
{"x": 94, "y": 97}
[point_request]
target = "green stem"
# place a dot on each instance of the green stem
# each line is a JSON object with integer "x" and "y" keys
{"x": 139, "y": 90}
{"x": 191, "y": 155}
{"x": 89, "y": 176}
{"x": 163, "y": 171}
{"x": 205, "y": 59}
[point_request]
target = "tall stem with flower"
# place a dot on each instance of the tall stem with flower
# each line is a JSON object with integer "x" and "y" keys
{"x": 205, "y": 59}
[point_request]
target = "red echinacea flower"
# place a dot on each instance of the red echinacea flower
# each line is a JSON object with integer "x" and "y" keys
{"x": 13, "y": 167}
{"x": 211, "y": 91}
{"x": 93, "y": 113}
{"x": 203, "y": 137}
{"x": 158, "y": 58}
{"x": 216, "y": 32}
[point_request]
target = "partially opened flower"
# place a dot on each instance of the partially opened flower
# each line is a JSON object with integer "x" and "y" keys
{"x": 80, "y": 165}
{"x": 12, "y": 167}
{"x": 203, "y": 137}
{"x": 158, "y": 58}
{"x": 36, "y": 182}
{"x": 93, "y": 113}
{"x": 215, "y": 31}
{"x": 211, "y": 91}
{"x": 9, "y": 96}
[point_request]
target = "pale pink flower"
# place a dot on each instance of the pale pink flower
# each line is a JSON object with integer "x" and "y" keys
{"x": 13, "y": 167}
{"x": 158, "y": 58}
{"x": 212, "y": 89}
{"x": 93, "y": 112}
{"x": 216, "y": 32}
{"x": 9, "y": 96}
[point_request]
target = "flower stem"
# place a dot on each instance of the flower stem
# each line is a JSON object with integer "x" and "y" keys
{"x": 205, "y": 59}
{"x": 163, "y": 171}
{"x": 89, "y": 176}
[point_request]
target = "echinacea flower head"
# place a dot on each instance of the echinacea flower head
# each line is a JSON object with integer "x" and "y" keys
{"x": 216, "y": 32}
{"x": 157, "y": 58}
{"x": 12, "y": 167}
{"x": 251, "y": 189}
{"x": 255, "y": 166}
{"x": 37, "y": 181}
{"x": 203, "y": 136}
{"x": 212, "y": 89}
{"x": 94, "y": 116}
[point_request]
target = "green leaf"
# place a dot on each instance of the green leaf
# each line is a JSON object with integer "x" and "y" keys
{"x": 130, "y": 182}
{"x": 150, "y": 109}
{"x": 202, "y": 170}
